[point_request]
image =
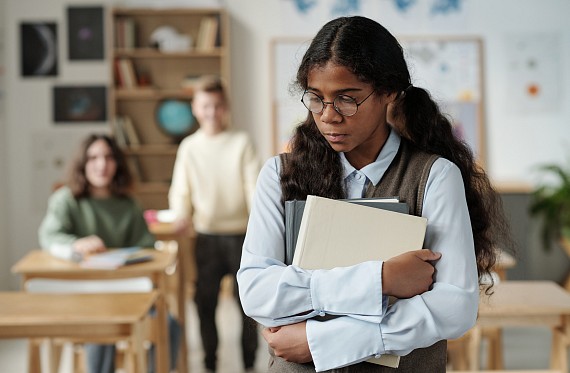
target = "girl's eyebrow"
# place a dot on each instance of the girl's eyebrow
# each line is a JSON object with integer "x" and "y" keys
{"x": 338, "y": 92}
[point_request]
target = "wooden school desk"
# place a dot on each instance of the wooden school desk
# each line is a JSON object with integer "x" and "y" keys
{"x": 529, "y": 303}
{"x": 95, "y": 317}
{"x": 41, "y": 264}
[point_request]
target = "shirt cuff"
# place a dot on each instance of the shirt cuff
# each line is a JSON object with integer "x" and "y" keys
{"x": 355, "y": 290}
{"x": 330, "y": 351}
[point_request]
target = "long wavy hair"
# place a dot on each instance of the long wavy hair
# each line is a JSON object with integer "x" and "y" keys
{"x": 122, "y": 183}
{"x": 375, "y": 57}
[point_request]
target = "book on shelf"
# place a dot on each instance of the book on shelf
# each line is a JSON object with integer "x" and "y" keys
{"x": 125, "y": 33}
{"x": 207, "y": 33}
{"x": 294, "y": 212}
{"x": 336, "y": 233}
{"x": 130, "y": 131}
{"x": 115, "y": 258}
{"x": 119, "y": 132}
{"x": 126, "y": 74}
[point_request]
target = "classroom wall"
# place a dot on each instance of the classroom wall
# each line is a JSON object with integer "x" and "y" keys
{"x": 4, "y": 275}
{"x": 516, "y": 141}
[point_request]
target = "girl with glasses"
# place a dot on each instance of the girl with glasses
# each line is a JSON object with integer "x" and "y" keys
{"x": 370, "y": 133}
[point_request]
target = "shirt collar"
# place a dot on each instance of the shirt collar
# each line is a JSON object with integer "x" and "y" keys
{"x": 375, "y": 170}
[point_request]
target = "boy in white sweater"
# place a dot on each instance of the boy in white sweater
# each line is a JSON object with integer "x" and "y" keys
{"x": 212, "y": 187}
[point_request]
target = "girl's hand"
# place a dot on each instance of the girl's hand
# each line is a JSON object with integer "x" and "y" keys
{"x": 89, "y": 245}
{"x": 409, "y": 274}
{"x": 289, "y": 342}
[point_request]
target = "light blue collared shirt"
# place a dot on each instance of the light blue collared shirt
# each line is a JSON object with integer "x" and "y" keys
{"x": 275, "y": 294}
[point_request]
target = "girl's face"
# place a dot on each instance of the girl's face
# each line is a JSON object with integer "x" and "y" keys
{"x": 100, "y": 167}
{"x": 360, "y": 136}
{"x": 210, "y": 109}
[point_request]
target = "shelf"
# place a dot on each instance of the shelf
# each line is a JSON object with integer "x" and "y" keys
{"x": 152, "y": 94}
{"x": 165, "y": 75}
{"x": 152, "y": 187}
{"x": 513, "y": 187}
{"x": 151, "y": 53}
{"x": 152, "y": 12}
{"x": 153, "y": 150}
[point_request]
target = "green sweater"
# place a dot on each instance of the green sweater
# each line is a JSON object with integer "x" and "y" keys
{"x": 119, "y": 222}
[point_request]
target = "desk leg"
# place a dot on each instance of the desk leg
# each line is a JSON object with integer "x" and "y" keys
{"x": 559, "y": 352}
{"x": 54, "y": 348}
{"x": 183, "y": 262}
{"x": 474, "y": 348}
{"x": 138, "y": 361}
{"x": 162, "y": 347}
{"x": 34, "y": 356}
{"x": 494, "y": 338}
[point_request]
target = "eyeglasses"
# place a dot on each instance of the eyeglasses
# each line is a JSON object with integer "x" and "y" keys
{"x": 343, "y": 104}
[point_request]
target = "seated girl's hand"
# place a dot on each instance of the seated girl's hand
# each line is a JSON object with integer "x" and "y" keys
{"x": 409, "y": 274}
{"x": 289, "y": 342}
{"x": 89, "y": 245}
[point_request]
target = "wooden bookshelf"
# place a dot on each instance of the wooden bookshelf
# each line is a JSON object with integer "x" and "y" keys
{"x": 160, "y": 74}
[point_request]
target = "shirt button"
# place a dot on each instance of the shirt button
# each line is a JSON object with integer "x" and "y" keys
{"x": 322, "y": 314}
{"x": 377, "y": 356}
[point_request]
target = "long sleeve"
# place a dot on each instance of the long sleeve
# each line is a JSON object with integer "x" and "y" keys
{"x": 57, "y": 226}
{"x": 251, "y": 167}
{"x": 179, "y": 195}
{"x": 118, "y": 221}
{"x": 275, "y": 294}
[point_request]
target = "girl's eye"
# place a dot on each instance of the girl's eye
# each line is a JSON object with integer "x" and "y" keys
{"x": 343, "y": 99}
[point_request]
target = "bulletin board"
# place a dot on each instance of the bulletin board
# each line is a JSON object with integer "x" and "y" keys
{"x": 287, "y": 110}
{"x": 449, "y": 68}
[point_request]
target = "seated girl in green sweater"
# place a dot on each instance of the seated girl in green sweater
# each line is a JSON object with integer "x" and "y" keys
{"x": 95, "y": 212}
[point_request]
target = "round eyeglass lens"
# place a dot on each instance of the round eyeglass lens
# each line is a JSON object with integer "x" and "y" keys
{"x": 313, "y": 102}
{"x": 345, "y": 105}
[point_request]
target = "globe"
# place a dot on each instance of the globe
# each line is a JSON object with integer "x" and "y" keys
{"x": 175, "y": 117}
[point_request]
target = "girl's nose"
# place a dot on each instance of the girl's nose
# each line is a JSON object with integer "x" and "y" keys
{"x": 330, "y": 115}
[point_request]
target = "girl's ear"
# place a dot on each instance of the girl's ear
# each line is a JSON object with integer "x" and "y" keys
{"x": 394, "y": 114}
{"x": 391, "y": 97}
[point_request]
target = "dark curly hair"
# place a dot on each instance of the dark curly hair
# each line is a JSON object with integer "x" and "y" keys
{"x": 375, "y": 57}
{"x": 122, "y": 182}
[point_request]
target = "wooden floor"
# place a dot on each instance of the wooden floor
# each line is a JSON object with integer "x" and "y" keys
{"x": 521, "y": 350}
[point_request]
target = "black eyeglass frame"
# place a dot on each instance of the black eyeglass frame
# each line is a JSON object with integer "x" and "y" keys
{"x": 333, "y": 103}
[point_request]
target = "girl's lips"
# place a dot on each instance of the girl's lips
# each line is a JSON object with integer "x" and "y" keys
{"x": 335, "y": 137}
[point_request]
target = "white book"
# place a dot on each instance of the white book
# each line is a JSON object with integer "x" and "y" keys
{"x": 337, "y": 233}
{"x": 115, "y": 258}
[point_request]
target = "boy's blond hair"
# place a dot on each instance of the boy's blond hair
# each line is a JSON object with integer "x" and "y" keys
{"x": 211, "y": 84}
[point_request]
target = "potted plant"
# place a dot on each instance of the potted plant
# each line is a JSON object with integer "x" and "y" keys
{"x": 551, "y": 202}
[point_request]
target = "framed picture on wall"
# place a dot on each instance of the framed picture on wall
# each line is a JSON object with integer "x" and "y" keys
{"x": 79, "y": 104}
{"x": 85, "y": 33}
{"x": 38, "y": 46}
{"x": 449, "y": 68}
